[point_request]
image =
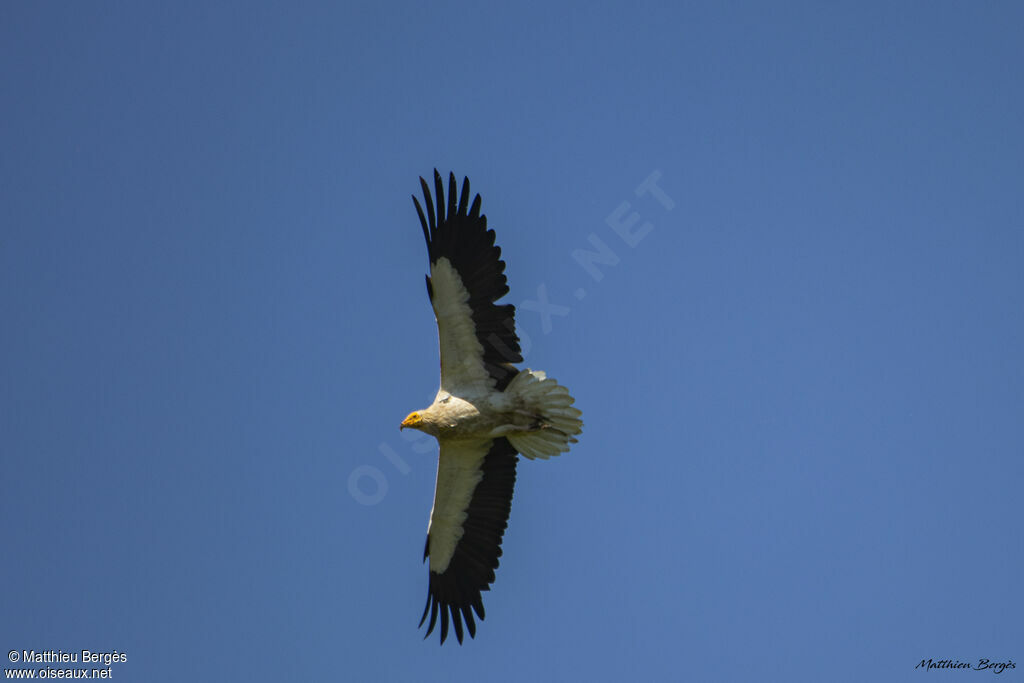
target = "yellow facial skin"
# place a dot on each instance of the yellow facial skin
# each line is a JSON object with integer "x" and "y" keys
{"x": 412, "y": 421}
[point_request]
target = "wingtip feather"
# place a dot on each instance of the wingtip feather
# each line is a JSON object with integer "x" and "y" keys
{"x": 453, "y": 191}
{"x": 464, "y": 197}
{"x": 430, "y": 203}
{"x": 439, "y": 189}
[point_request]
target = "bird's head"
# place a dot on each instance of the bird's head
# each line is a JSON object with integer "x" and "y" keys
{"x": 413, "y": 421}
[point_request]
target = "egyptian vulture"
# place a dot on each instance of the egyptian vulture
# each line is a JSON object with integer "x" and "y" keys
{"x": 486, "y": 411}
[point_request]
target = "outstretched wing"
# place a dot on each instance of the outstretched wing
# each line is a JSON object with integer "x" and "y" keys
{"x": 472, "y": 500}
{"x": 477, "y": 337}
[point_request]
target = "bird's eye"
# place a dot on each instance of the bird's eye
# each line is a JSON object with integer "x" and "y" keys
{"x": 446, "y": 399}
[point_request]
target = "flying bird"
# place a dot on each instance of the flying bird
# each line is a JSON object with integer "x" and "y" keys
{"x": 485, "y": 413}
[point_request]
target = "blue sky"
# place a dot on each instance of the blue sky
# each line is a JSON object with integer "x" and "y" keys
{"x": 801, "y": 382}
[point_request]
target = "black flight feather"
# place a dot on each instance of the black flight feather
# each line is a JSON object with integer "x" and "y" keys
{"x": 464, "y": 239}
{"x": 456, "y": 593}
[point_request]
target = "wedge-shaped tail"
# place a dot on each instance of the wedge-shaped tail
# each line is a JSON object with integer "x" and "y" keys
{"x": 557, "y": 422}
